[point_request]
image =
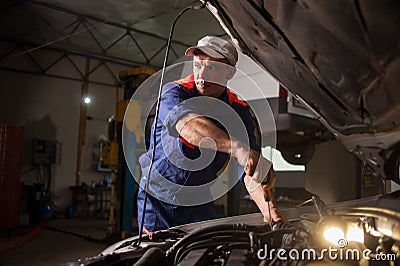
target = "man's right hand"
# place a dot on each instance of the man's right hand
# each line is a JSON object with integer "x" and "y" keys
{"x": 246, "y": 157}
{"x": 255, "y": 165}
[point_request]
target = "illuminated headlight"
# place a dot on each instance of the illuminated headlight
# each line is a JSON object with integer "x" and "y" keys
{"x": 334, "y": 235}
{"x": 355, "y": 233}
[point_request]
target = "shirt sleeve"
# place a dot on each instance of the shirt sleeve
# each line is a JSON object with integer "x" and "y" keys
{"x": 173, "y": 107}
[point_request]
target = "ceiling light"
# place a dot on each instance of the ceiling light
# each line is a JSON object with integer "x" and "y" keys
{"x": 87, "y": 100}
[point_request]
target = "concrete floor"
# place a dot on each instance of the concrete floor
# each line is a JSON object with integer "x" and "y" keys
{"x": 59, "y": 243}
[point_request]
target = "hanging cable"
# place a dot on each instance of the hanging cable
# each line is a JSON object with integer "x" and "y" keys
{"x": 171, "y": 32}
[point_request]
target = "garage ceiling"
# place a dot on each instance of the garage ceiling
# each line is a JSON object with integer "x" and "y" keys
{"x": 126, "y": 32}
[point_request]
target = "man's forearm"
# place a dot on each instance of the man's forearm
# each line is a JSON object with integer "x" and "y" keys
{"x": 196, "y": 129}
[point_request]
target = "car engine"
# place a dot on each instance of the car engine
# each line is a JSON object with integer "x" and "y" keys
{"x": 333, "y": 235}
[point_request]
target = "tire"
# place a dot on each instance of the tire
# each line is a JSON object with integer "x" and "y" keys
{"x": 297, "y": 153}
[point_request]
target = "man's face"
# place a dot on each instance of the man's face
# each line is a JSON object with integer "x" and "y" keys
{"x": 211, "y": 75}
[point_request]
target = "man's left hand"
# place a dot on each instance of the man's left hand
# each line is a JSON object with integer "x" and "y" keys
{"x": 277, "y": 215}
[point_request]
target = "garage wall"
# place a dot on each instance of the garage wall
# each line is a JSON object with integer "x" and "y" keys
{"x": 333, "y": 173}
{"x": 48, "y": 108}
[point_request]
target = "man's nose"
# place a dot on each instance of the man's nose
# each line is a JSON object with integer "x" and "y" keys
{"x": 202, "y": 73}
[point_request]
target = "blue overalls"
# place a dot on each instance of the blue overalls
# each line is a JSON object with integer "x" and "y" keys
{"x": 159, "y": 214}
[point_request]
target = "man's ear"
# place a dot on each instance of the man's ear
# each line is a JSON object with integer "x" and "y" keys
{"x": 231, "y": 72}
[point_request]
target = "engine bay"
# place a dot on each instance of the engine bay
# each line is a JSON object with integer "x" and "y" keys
{"x": 333, "y": 235}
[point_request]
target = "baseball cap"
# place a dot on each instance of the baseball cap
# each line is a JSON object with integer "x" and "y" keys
{"x": 215, "y": 47}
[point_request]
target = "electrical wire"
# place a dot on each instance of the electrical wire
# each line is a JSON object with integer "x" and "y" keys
{"x": 59, "y": 39}
{"x": 211, "y": 244}
{"x": 223, "y": 235}
{"x": 198, "y": 234}
{"x": 171, "y": 32}
{"x": 14, "y": 244}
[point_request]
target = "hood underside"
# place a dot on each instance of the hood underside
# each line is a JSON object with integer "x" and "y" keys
{"x": 342, "y": 58}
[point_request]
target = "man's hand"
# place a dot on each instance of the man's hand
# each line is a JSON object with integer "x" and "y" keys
{"x": 248, "y": 158}
{"x": 255, "y": 165}
{"x": 269, "y": 181}
{"x": 262, "y": 196}
{"x": 250, "y": 168}
{"x": 277, "y": 215}
{"x": 259, "y": 195}
{"x": 264, "y": 173}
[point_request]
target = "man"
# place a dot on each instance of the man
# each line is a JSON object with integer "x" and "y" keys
{"x": 185, "y": 122}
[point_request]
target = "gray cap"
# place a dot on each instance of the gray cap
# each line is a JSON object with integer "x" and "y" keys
{"x": 215, "y": 47}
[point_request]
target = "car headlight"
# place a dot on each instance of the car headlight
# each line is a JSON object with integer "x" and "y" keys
{"x": 354, "y": 233}
{"x": 334, "y": 235}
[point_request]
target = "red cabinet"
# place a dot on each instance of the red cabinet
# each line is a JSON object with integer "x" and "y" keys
{"x": 11, "y": 141}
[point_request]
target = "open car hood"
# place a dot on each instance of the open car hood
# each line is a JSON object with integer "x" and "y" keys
{"x": 341, "y": 58}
